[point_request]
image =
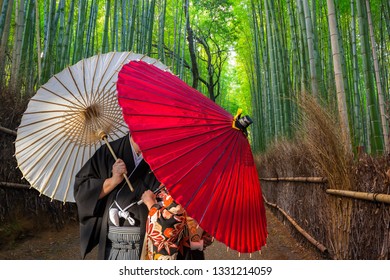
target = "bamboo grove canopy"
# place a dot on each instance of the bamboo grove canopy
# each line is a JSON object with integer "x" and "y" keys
{"x": 256, "y": 54}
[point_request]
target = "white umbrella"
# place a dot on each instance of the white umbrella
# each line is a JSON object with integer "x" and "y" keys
{"x": 68, "y": 119}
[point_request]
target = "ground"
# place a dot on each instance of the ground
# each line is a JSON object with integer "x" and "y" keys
{"x": 64, "y": 245}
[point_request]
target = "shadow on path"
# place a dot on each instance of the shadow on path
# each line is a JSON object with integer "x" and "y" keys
{"x": 64, "y": 245}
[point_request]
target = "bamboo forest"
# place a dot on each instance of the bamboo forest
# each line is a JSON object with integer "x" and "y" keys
{"x": 259, "y": 55}
{"x": 313, "y": 75}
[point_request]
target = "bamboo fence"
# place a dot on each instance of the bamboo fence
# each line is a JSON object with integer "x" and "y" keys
{"x": 298, "y": 204}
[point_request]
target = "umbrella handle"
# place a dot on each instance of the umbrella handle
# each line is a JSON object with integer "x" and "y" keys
{"x": 104, "y": 137}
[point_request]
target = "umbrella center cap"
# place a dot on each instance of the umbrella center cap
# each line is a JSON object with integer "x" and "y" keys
{"x": 83, "y": 126}
{"x": 91, "y": 113}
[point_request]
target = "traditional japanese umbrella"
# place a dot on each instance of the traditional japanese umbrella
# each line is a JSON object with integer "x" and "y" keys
{"x": 199, "y": 151}
{"x": 68, "y": 119}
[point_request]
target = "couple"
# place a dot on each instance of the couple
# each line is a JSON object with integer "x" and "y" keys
{"x": 111, "y": 218}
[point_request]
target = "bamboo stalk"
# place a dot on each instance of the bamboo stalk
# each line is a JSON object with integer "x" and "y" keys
{"x": 377, "y": 197}
{"x": 317, "y": 244}
{"x": 14, "y": 185}
{"x": 297, "y": 179}
{"x": 8, "y": 131}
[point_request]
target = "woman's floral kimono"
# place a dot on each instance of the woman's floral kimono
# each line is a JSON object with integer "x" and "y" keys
{"x": 167, "y": 235}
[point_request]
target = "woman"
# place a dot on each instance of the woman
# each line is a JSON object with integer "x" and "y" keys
{"x": 170, "y": 233}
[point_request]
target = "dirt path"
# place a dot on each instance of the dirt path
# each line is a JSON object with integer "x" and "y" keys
{"x": 64, "y": 245}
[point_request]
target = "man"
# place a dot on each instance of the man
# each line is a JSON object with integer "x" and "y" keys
{"x": 108, "y": 213}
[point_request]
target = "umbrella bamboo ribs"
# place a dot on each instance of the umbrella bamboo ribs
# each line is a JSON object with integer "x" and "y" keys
{"x": 102, "y": 135}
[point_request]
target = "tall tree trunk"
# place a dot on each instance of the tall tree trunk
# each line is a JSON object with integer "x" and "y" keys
{"x": 382, "y": 109}
{"x": 105, "y": 43}
{"x": 310, "y": 44}
{"x": 358, "y": 118}
{"x": 375, "y": 127}
{"x": 17, "y": 49}
{"x": 48, "y": 61}
{"x": 160, "y": 44}
{"x": 91, "y": 30}
{"x": 38, "y": 39}
{"x": 4, "y": 43}
{"x": 191, "y": 46}
{"x": 341, "y": 100}
{"x": 3, "y": 15}
{"x": 340, "y": 219}
{"x": 80, "y": 30}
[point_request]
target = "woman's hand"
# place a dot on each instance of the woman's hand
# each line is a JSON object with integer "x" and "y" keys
{"x": 149, "y": 198}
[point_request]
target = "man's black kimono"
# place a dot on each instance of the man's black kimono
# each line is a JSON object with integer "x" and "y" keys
{"x": 93, "y": 213}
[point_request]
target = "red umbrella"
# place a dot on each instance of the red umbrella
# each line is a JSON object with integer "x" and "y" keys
{"x": 194, "y": 149}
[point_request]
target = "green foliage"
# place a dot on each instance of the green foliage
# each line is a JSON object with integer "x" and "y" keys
{"x": 252, "y": 54}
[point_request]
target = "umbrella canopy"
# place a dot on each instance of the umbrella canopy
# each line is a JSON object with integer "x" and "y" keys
{"x": 64, "y": 122}
{"x": 194, "y": 149}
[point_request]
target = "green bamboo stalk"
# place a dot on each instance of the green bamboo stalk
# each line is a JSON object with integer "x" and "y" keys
{"x": 271, "y": 66}
{"x": 150, "y": 24}
{"x": 132, "y": 21}
{"x": 27, "y": 65}
{"x": 38, "y": 41}
{"x": 372, "y": 108}
{"x": 114, "y": 28}
{"x": 341, "y": 100}
{"x": 90, "y": 35}
{"x": 124, "y": 15}
{"x": 294, "y": 48}
{"x": 65, "y": 51}
{"x": 4, "y": 43}
{"x": 27, "y": 45}
{"x": 310, "y": 44}
{"x": 303, "y": 46}
{"x": 17, "y": 47}
{"x": 31, "y": 71}
{"x": 61, "y": 35}
{"x": 3, "y": 15}
{"x": 50, "y": 28}
{"x": 182, "y": 43}
{"x": 256, "y": 87}
{"x": 382, "y": 108}
{"x": 161, "y": 31}
{"x": 80, "y": 30}
{"x": 105, "y": 43}
{"x": 358, "y": 116}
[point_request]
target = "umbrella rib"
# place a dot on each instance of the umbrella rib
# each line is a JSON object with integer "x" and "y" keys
{"x": 38, "y": 140}
{"x": 71, "y": 93}
{"x": 46, "y": 112}
{"x": 93, "y": 78}
{"x": 101, "y": 76}
{"x": 52, "y": 103}
{"x": 62, "y": 173}
{"x": 54, "y": 168}
{"x": 77, "y": 86}
{"x": 87, "y": 96}
{"x": 159, "y": 78}
{"x": 187, "y": 137}
{"x": 70, "y": 179}
{"x": 220, "y": 121}
{"x": 113, "y": 72}
{"x": 234, "y": 206}
{"x": 188, "y": 106}
{"x": 26, "y": 172}
{"x": 209, "y": 116}
{"x": 34, "y": 132}
{"x": 202, "y": 103}
{"x": 76, "y": 105}
{"x": 219, "y": 179}
{"x": 197, "y": 164}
